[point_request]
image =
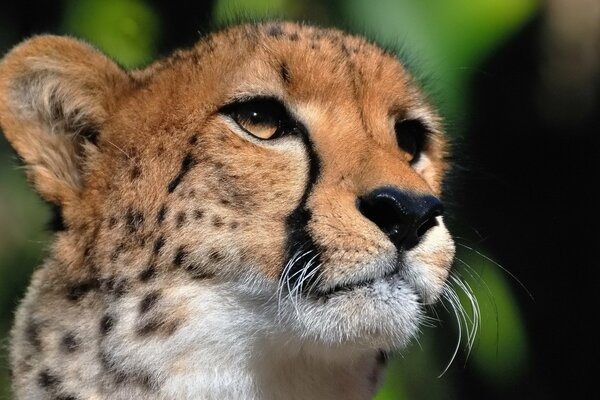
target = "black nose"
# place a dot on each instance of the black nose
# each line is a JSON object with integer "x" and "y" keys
{"x": 404, "y": 217}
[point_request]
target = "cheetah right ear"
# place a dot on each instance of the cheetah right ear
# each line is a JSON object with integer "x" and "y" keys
{"x": 55, "y": 94}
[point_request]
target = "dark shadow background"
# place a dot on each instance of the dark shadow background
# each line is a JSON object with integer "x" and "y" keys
{"x": 524, "y": 190}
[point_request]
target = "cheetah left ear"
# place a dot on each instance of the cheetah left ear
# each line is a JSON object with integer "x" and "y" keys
{"x": 55, "y": 94}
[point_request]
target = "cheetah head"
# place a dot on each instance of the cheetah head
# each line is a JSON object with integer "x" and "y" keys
{"x": 294, "y": 170}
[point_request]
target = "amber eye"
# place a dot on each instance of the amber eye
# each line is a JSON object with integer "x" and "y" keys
{"x": 411, "y": 135}
{"x": 263, "y": 118}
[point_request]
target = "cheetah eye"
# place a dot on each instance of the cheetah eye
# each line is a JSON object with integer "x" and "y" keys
{"x": 411, "y": 135}
{"x": 263, "y": 118}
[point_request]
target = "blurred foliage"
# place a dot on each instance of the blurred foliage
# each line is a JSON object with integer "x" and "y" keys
{"x": 448, "y": 37}
{"x": 127, "y": 30}
{"x": 500, "y": 351}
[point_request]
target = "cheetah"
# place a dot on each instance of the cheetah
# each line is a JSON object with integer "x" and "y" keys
{"x": 256, "y": 217}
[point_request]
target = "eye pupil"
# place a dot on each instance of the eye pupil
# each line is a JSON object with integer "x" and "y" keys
{"x": 411, "y": 135}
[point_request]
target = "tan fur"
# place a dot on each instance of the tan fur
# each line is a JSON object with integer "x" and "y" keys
{"x": 130, "y": 240}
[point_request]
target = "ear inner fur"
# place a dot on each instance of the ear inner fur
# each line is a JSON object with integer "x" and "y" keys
{"x": 54, "y": 94}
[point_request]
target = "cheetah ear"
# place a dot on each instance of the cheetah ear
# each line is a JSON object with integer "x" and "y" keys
{"x": 55, "y": 94}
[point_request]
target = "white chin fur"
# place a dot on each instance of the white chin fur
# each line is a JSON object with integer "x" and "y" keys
{"x": 384, "y": 314}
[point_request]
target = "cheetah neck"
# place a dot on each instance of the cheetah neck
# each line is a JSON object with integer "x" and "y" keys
{"x": 229, "y": 350}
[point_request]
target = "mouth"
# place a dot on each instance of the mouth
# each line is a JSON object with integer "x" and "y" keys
{"x": 390, "y": 277}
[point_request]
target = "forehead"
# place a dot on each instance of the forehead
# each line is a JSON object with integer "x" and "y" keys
{"x": 298, "y": 63}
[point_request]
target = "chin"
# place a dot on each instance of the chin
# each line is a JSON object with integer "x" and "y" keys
{"x": 381, "y": 314}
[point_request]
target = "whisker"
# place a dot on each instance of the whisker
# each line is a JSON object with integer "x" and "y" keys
{"x": 513, "y": 276}
{"x": 447, "y": 295}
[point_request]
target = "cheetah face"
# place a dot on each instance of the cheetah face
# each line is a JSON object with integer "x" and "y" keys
{"x": 289, "y": 164}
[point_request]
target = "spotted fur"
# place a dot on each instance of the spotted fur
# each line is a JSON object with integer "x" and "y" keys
{"x": 195, "y": 261}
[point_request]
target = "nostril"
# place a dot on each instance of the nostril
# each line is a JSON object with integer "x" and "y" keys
{"x": 429, "y": 221}
{"x": 403, "y": 217}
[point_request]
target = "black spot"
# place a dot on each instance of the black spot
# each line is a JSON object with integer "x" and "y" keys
{"x": 47, "y": 380}
{"x": 107, "y": 323}
{"x": 32, "y": 334}
{"x": 148, "y": 273}
{"x": 193, "y": 140}
{"x": 78, "y": 290}
{"x": 105, "y": 360}
{"x": 284, "y": 72}
{"x": 134, "y": 220}
{"x": 217, "y": 221}
{"x": 158, "y": 324}
{"x": 57, "y": 222}
{"x": 198, "y": 272}
{"x": 160, "y": 217}
{"x": 215, "y": 256}
{"x": 148, "y": 327}
{"x": 136, "y": 172}
{"x": 112, "y": 221}
{"x": 69, "y": 343}
{"x": 186, "y": 164}
{"x": 293, "y": 37}
{"x": 117, "y": 252}
{"x": 180, "y": 256}
{"x": 180, "y": 220}
{"x": 87, "y": 252}
{"x": 108, "y": 284}
{"x": 234, "y": 225}
{"x": 275, "y": 31}
{"x": 149, "y": 301}
{"x": 145, "y": 380}
{"x": 198, "y": 214}
{"x": 90, "y": 133}
{"x": 158, "y": 245}
{"x": 121, "y": 287}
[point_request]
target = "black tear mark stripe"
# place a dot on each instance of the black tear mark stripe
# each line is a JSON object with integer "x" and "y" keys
{"x": 186, "y": 164}
{"x": 299, "y": 240}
